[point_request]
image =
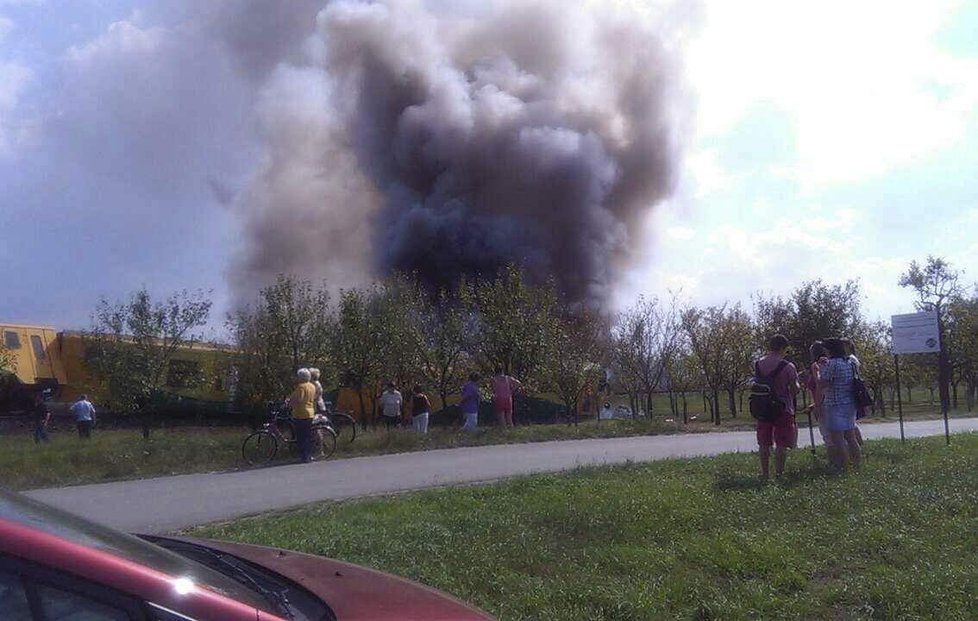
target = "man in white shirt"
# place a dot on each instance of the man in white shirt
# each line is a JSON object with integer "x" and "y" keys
{"x": 84, "y": 413}
{"x": 390, "y": 405}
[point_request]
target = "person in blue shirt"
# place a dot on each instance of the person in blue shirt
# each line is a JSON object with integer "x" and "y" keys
{"x": 84, "y": 413}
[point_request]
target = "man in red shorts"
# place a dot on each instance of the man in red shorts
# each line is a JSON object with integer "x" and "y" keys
{"x": 780, "y": 432}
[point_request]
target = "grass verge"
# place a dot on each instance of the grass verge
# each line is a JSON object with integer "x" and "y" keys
{"x": 112, "y": 455}
{"x": 680, "y": 539}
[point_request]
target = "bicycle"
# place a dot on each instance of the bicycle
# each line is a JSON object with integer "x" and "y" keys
{"x": 262, "y": 446}
{"x": 342, "y": 423}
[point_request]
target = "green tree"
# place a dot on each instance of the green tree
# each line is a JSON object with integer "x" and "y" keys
{"x": 516, "y": 327}
{"x": 963, "y": 346}
{"x": 645, "y": 337}
{"x": 394, "y": 308}
{"x": 721, "y": 337}
{"x": 289, "y": 326}
{"x": 131, "y": 345}
{"x": 444, "y": 329}
{"x": 813, "y": 311}
{"x": 873, "y": 348}
{"x": 936, "y": 284}
{"x": 581, "y": 354}
{"x": 685, "y": 375}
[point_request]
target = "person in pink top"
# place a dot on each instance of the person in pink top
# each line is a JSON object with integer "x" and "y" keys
{"x": 503, "y": 387}
{"x": 780, "y": 432}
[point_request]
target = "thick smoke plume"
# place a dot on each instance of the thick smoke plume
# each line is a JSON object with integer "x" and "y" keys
{"x": 448, "y": 139}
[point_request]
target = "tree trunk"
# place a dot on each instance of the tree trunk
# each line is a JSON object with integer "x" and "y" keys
{"x": 716, "y": 407}
{"x": 732, "y": 400}
{"x": 741, "y": 400}
{"x": 648, "y": 402}
{"x": 909, "y": 394}
{"x": 685, "y": 410}
{"x": 954, "y": 395}
{"x": 706, "y": 407}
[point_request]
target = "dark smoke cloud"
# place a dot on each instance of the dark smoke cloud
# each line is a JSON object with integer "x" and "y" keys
{"x": 402, "y": 135}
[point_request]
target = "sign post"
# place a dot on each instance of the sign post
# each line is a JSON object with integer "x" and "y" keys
{"x": 917, "y": 333}
{"x": 896, "y": 363}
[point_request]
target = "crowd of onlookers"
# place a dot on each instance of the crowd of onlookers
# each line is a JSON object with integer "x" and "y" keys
{"x": 306, "y": 401}
{"x": 833, "y": 380}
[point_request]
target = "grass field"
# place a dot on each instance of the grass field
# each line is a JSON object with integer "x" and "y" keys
{"x": 114, "y": 454}
{"x": 681, "y": 539}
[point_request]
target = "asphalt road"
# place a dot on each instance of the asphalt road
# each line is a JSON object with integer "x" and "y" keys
{"x": 170, "y": 503}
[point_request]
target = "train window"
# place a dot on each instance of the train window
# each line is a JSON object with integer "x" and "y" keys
{"x": 38, "y": 348}
{"x": 11, "y": 339}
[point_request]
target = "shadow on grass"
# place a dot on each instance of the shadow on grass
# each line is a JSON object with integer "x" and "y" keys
{"x": 730, "y": 481}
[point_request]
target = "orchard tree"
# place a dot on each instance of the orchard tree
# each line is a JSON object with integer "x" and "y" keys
{"x": 290, "y": 326}
{"x": 873, "y": 348}
{"x": 131, "y": 344}
{"x": 963, "y": 345}
{"x": 685, "y": 375}
{"x": 645, "y": 337}
{"x": 580, "y": 350}
{"x": 393, "y": 312}
{"x": 516, "y": 327}
{"x": 721, "y": 337}
{"x": 444, "y": 329}
{"x": 813, "y": 311}
{"x": 357, "y": 343}
{"x": 936, "y": 285}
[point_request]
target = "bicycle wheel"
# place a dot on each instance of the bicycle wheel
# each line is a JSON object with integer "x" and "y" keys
{"x": 345, "y": 427}
{"x": 259, "y": 448}
{"x": 326, "y": 438}
{"x": 286, "y": 429}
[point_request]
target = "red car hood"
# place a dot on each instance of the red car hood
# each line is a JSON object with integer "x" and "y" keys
{"x": 354, "y": 593}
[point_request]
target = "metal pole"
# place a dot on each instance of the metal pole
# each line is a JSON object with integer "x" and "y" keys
{"x": 942, "y": 376}
{"x": 811, "y": 433}
{"x": 896, "y": 362}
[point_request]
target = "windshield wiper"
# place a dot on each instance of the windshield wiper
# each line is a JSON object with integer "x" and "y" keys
{"x": 238, "y": 572}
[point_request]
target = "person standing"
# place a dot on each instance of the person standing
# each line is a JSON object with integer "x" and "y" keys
{"x": 819, "y": 356}
{"x": 420, "y": 410}
{"x": 839, "y": 404}
{"x": 390, "y": 404}
{"x": 319, "y": 401}
{"x": 781, "y": 431}
{"x": 503, "y": 387}
{"x": 84, "y": 413}
{"x": 42, "y": 417}
{"x": 302, "y": 401}
{"x": 470, "y": 403}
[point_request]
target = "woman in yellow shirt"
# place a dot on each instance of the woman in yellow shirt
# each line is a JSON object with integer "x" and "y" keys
{"x": 303, "y": 404}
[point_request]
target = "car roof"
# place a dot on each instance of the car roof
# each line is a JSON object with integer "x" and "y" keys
{"x": 37, "y": 532}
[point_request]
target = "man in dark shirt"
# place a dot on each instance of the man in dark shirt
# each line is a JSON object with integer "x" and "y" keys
{"x": 42, "y": 416}
{"x": 780, "y": 432}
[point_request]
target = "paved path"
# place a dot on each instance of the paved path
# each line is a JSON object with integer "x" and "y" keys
{"x": 170, "y": 503}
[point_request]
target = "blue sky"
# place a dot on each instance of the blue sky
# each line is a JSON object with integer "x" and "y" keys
{"x": 831, "y": 140}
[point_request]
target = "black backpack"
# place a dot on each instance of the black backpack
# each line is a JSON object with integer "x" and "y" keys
{"x": 764, "y": 404}
{"x": 860, "y": 392}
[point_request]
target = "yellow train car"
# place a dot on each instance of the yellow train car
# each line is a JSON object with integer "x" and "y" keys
{"x": 35, "y": 364}
{"x": 45, "y": 359}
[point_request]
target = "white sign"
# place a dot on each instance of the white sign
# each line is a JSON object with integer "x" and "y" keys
{"x": 916, "y": 333}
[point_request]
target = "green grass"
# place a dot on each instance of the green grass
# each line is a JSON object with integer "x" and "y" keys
{"x": 681, "y": 539}
{"x": 113, "y": 455}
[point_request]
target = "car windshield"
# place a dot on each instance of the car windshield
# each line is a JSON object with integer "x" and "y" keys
{"x": 23, "y": 510}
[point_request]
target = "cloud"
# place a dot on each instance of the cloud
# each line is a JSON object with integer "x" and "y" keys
{"x": 866, "y": 84}
{"x": 14, "y": 79}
